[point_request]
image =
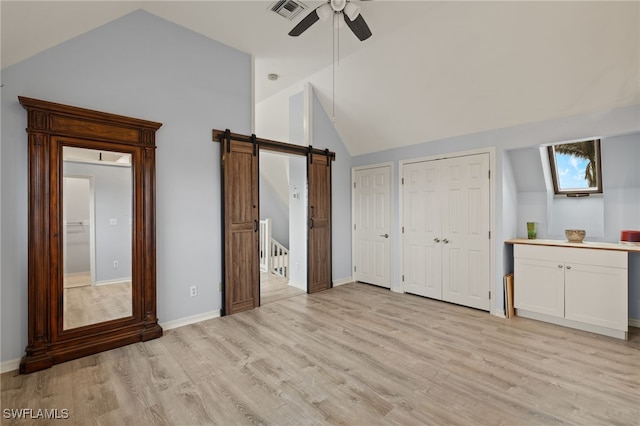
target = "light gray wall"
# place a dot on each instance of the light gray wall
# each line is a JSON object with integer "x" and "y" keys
{"x": 141, "y": 66}
{"x": 112, "y": 194}
{"x": 604, "y": 123}
{"x": 77, "y": 230}
{"x": 298, "y": 222}
{"x": 326, "y": 136}
{"x": 298, "y": 208}
{"x": 617, "y": 209}
{"x": 272, "y": 207}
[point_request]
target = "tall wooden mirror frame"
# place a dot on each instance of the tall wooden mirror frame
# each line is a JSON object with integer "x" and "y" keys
{"x": 50, "y": 126}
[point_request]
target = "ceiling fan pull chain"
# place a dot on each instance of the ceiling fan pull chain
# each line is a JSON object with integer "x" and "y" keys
{"x": 333, "y": 70}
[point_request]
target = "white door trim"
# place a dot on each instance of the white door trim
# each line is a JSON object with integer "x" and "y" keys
{"x": 495, "y": 310}
{"x": 392, "y": 238}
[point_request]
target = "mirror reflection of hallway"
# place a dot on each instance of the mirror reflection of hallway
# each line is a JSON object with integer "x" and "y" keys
{"x": 283, "y": 221}
{"x": 96, "y": 203}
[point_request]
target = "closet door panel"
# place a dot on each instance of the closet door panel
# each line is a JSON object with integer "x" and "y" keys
{"x": 422, "y": 250}
{"x": 446, "y": 222}
{"x": 466, "y": 243}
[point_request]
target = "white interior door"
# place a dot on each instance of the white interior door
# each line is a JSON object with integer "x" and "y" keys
{"x": 372, "y": 226}
{"x": 422, "y": 211}
{"x": 465, "y": 231}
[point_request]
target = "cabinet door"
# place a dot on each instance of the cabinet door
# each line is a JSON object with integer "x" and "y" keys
{"x": 539, "y": 286}
{"x": 596, "y": 295}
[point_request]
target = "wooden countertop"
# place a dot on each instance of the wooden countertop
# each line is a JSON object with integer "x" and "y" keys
{"x": 629, "y": 247}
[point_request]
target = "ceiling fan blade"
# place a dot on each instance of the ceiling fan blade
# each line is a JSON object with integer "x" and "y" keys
{"x": 303, "y": 25}
{"x": 358, "y": 26}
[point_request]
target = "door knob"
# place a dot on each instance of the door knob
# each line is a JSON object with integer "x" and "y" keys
{"x": 568, "y": 267}
{"x": 436, "y": 240}
{"x": 446, "y": 241}
{"x": 385, "y": 235}
{"x": 560, "y": 266}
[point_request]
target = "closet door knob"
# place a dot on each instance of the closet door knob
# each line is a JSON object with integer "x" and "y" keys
{"x": 385, "y": 235}
{"x": 568, "y": 267}
{"x": 446, "y": 241}
{"x": 436, "y": 240}
{"x": 560, "y": 266}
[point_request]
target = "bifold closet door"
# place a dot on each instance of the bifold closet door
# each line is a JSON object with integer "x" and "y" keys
{"x": 446, "y": 223}
{"x": 465, "y": 230}
{"x": 241, "y": 226}
{"x": 421, "y": 232}
{"x": 319, "y": 252}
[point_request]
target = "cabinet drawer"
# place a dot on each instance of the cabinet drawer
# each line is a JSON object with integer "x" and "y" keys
{"x": 610, "y": 258}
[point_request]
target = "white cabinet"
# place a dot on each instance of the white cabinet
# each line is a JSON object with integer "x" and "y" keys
{"x": 596, "y": 294}
{"x": 539, "y": 286}
{"x": 580, "y": 288}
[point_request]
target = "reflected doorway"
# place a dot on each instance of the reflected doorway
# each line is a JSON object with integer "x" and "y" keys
{"x": 283, "y": 226}
{"x": 97, "y": 224}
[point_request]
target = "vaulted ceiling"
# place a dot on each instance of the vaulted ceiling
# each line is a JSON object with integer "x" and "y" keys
{"x": 431, "y": 70}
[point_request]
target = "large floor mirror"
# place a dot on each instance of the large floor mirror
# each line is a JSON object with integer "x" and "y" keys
{"x": 97, "y": 234}
{"x": 91, "y": 232}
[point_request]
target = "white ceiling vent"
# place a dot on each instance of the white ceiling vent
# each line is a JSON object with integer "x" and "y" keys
{"x": 287, "y": 8}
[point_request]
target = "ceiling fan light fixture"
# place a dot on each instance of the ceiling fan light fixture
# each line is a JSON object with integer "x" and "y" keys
{"x": 324, "y": 11}
{"x": 352, "y": 11}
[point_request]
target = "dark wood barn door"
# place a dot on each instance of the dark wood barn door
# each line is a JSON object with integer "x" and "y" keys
{"x": 319, "y": 251}
{"x": 241, "y": 217}
{"x": 241, "y": 223}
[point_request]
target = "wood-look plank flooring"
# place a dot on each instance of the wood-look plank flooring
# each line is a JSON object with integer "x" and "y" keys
{"x": 274, "y": 287}
{"x": 356, "y": 355}
{"x": 92, "y": 304}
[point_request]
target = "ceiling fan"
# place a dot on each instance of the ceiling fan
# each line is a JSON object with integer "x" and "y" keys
{"x": 350, "y": 11}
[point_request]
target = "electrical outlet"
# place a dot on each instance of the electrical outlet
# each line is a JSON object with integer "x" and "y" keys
{"x": 116, "y": 265}
{"x": 193, "y": 290}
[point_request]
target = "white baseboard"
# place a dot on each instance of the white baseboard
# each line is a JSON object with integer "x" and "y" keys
{"x": 342, "y": 281}
{"x": 114, "y": 281}
{"x": 12, "y": 364}
{"x": 634, "y": 322}
{"x": 180, "y": 322}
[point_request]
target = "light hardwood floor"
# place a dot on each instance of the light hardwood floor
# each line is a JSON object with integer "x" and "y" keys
{"x": 274, "y": 287}
{"x": 355, "y": 354}
{"x": 89, "y": 304}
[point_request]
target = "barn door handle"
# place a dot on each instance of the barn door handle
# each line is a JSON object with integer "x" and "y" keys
{"x": 311, "y": 223}
{"x": 255, "y": 225}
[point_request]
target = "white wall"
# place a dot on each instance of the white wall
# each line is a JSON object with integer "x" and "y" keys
{"x": 298, "y": 222}
{"x": 145, "y": 67}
